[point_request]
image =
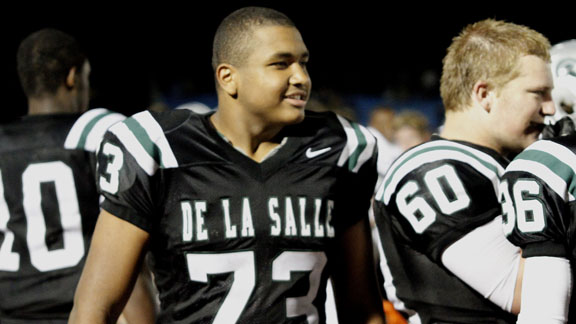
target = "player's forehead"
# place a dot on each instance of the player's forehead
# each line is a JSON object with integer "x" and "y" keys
{"x": 533, "y": 71}
{"x": 273, "y": 41}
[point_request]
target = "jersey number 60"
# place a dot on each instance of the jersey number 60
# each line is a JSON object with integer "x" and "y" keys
{"x": 419, "y": 212}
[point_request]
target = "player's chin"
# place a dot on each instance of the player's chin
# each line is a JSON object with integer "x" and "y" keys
{"x": 529, "y": 139}
{"x": 293, "y": 115}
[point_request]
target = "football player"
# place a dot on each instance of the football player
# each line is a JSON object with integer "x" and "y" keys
{"x": 248, "y": 210}
{"x": 438, "y": 210}
{"x": 48, "y": 196}
{"x": 563, "y": 65}
{"x": 539, "y": 207}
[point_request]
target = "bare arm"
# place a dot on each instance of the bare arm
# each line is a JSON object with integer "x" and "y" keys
{"x": 141, "y": 306}
{"x": 354, "y": 279}
{"x": 518, "y": 288}
{"x": 111, "y": 269}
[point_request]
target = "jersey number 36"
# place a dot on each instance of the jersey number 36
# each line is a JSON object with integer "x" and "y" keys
{"x": 525, "y": 211}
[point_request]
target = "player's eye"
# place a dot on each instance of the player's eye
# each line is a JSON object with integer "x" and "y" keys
{"x": 541, "y": 93}
{"x": 280, "y": 64}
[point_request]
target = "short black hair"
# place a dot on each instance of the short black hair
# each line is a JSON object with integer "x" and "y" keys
{"x": 231, "y": 42}
{"x": 44, "y": 60}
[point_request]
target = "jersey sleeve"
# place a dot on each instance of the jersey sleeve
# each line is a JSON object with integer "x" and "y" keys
{"x": 88, "y": 132}
{"x": 359, "y": 190}
{"x": 437, "y": 193}
{"x": 124, "y": 185}
{"x": 538, "y": 199}
{"x": 358, "y": 162}
{"x": 89, "y": 129}
{"x": 129, "y": 158}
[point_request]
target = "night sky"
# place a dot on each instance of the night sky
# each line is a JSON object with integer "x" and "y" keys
{"x": 162, "y": 51}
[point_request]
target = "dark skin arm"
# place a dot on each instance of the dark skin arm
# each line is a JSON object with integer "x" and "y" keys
{"x": 142, "y": 305}
{"x": 354, "y": 279}
{"x": 111, "y": 269}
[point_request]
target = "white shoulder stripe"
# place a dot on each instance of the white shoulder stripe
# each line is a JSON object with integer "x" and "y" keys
{"x": 351, "y": 141}
{"x": 96, "y": 135}
{"x": 132, "y": 145}
{"x": 380, "y": 191}
{"x": 77, "y": 130}
{"x": 561, "y": 152}
{"x": 554, "y": 181}
{"x": 393, "y": 178}
{"x": 156, "y": 134}
{"x": 368, "y": 150}
{"x": 446, "y": 143}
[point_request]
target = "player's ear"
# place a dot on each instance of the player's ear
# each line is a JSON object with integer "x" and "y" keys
{"x": 482, "y": 95}
{"x": 226, "y": 78}
{"x": 71, "y": 78}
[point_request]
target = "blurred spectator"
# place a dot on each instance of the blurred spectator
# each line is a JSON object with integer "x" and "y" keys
{"x": 381, "y": 126}
{"x": 410, "y": 129}
{"x": 158, "y": 106}
{"x": 382, "y": 119}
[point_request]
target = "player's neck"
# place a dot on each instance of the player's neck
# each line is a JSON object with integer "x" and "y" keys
{"x": 52, "y": 104}
{"x": 255, "y": 139}
{"x": 467, "y": 126}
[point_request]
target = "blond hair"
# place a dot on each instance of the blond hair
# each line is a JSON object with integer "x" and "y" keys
{"x": 488, "y": 50}
{"x": 412, "y": 119}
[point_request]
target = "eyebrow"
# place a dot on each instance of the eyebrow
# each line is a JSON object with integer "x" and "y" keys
{"x": 288, "y": 55}
{"x": 543, "y": 88}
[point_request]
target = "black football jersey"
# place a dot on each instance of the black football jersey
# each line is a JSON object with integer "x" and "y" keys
{"x": 48, "y": 208}
{"x": 233, "y": 240}
{"x": 538, "y": 204}
{"x": 538, "y": 191}
{"x": 432, "y": 196}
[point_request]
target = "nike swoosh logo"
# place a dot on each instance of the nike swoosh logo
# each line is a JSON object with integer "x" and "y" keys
{"x": 312, "y": 154}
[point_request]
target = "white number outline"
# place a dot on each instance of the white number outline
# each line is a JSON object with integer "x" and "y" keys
{"x": 9, "y": 260}
{"x": 534, "y": 205}
{"x": 112, "y": 168}
{"x": 417, "y": 203}
{"x": 292, "y": 261}
{"x": 508, "y": 211}
{"x": 520, "y": 208}
{"x": 242, "y": 264}
{"x": 42, "y": 259}
{"x": 200, "y": 265}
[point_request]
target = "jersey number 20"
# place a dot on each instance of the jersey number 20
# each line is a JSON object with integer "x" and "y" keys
{"x": 41, "y": 257}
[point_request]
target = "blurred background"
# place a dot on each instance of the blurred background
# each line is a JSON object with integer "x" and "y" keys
{"x": 363, "y": 56}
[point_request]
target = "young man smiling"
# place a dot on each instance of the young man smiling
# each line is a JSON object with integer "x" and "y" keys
{"x": 538, "y": 191}
{"x": 243, "y": 225}
{"x": 438, "y": 209}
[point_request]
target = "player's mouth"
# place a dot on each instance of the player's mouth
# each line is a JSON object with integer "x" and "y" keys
{"x": 297, "y": 99}
{"x": 535, "y": 127}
